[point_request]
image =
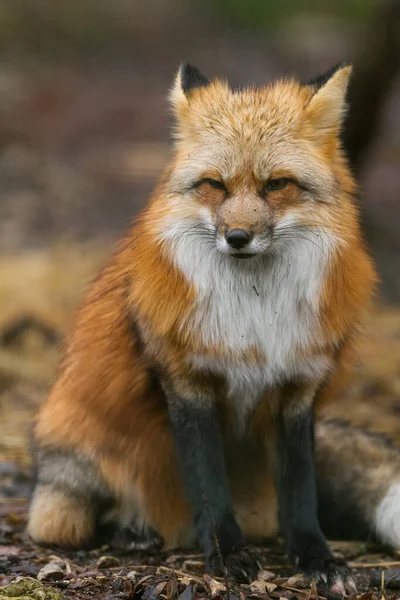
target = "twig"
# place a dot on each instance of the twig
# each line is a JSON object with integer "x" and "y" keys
{"x": 392, "y": 563}
{"x": 292, "y": 589}
{"x": 180, "y": 573}
{"x": 270, "y": 567}
{"x": 160, "y": 567}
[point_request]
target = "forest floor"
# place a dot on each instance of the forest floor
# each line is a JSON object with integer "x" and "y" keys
{"x": 36, "y": 311}
{"x": 31, "y": 571}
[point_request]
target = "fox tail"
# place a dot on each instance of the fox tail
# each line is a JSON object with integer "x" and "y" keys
{"x": 358, "y": 478}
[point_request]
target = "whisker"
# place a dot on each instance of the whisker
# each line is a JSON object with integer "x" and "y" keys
{"x": 297, "y": 236}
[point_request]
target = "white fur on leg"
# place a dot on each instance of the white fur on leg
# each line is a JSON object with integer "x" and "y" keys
{"x": 387, "y": 517}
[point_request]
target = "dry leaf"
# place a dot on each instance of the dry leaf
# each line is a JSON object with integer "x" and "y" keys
{"x": 106, "y": 562}
{"x": 187, "y": 594}
{"x": 216, "y": 587}
{"x": 143, "y": 579}
{"x": 298, "y": 581}
{"x": 53, "y": 571}
{"x": 313, "y": 591}
{"x": 262, "y": 587}
{"x": 132, "y": 575}
{"x": 171, "y": 590}
{"x": 160, "y": 588}
{"x": 258, "y": 585}
{"x": 264, "y": 575}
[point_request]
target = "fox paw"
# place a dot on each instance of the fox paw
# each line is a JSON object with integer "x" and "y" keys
{"x": 239, "y": 564}
{"x": 333, "y": 577}
{"x": 128, "y": 539}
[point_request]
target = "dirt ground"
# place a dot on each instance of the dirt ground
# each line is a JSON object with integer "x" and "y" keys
{"x": 46, "y": 295}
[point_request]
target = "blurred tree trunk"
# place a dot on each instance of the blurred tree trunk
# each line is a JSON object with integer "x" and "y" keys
{"x": 376, "y": 67}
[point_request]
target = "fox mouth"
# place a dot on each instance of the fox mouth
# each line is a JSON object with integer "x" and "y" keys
{"x": 243, "y": 255}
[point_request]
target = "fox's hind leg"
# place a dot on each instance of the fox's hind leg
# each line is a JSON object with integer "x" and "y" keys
{"x": 69, "y": 500}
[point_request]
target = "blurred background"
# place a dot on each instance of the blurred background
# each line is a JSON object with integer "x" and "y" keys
{"x": 84, "y": 128}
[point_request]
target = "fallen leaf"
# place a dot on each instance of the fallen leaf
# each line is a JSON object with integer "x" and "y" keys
{"x": 298, "y": 581}
{"x": 85, "y": 582}
{"x": 143, "y": 579}
{"x": 187, "y": 594}
{"x": 53, "y": 571}
{"x": 266, "y": 575}
{"x": 132, "y": 575}
{"x": 259, "y": 586}
{"x": 171, "y": 590}
{"x": 216, "y": 587}
{"x": 150, "y": 592}
{"x": 313, "y": 591}
{"x": 106, "y": 562}
{"x": 160, "y": 587}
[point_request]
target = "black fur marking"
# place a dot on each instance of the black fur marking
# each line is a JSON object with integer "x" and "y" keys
{"x": 318, "y": 82}
{"x": 297, "y": 494}
{"x": 192, "y": 78}
{"x": 297, "y": 501}
{"x": 132, "y": 538}
{"x": 200, "y": 453}
{"x": 340, "y": 519}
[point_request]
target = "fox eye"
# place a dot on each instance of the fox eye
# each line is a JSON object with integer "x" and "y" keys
{"x": 276, "y": 184}
{"x": 214, "y": 183}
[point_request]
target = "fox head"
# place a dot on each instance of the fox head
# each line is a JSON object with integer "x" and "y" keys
{"x": 255, "y": 167}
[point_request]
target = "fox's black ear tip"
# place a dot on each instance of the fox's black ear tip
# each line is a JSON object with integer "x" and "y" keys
{"x": 191, "y": 78}
{"x": 319, "y": 81}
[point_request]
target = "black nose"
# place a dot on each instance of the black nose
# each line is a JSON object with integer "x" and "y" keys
{"x": 238, "y": 238}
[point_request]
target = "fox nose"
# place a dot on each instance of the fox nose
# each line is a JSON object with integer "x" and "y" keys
{"x": 238, "y": 238}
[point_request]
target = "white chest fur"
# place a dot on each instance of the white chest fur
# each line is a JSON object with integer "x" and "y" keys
{"x": 270, "y": 304}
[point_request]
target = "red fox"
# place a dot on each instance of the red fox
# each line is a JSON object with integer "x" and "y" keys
{"x": 229, "y": 315}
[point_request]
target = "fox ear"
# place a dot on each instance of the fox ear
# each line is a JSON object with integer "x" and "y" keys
{"x": 187, "y": 79}
{"x": 327, "y": 106}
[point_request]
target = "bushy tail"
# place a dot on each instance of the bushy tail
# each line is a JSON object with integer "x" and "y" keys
{"x": 358, "y": 475}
